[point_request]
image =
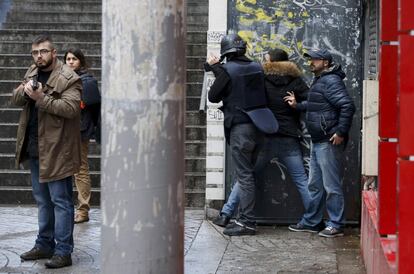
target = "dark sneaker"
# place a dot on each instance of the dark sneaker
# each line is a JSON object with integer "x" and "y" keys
{"x": 221, "y": 220}
{"x": 239, "y": 229}
{"x": 304, "y": 228}
{"x": 331, "y": 232}
{"x": 36, "y": 254}
{"x": 58, "y": 261}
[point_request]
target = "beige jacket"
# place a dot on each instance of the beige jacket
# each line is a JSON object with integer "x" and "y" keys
{"x": 58, "y": 123}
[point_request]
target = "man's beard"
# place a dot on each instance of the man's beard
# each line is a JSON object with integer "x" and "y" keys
{"x": 43, "y": 66}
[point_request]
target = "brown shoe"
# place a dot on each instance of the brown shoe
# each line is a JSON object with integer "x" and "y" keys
{"x": 58, "y": 261}
{"x": 36, "y": 254}
{"x": 81, "y": 218}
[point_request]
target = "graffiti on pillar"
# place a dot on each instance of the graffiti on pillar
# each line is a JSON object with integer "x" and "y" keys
{"x": 297, "y": 26}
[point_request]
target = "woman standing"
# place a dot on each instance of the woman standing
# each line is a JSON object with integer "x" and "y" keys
{"x": 90, "y": 117}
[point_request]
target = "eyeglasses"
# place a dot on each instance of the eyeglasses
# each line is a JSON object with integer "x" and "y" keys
{"x": 42, "y": 52}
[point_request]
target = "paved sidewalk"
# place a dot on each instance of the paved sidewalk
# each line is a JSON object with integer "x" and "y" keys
{"x": 207, "y": 250}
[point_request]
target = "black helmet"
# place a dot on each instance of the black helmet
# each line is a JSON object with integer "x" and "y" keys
{"x": 232, "y": 43}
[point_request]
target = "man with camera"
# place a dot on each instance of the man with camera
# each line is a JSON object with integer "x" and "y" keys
{"x": 49, "y": 137}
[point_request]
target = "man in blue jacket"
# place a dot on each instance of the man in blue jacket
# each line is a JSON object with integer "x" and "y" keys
{"x": 329, "y": 111}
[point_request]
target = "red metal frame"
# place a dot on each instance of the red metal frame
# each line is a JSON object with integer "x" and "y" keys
{"x": 405, "y": 217}
{"x": 387, "y": 188}
{"x": 388, "y": 88}
{"x": 406, "y": 15}
{"x": 389, "y": 24}
{"x": 406, "y": 130}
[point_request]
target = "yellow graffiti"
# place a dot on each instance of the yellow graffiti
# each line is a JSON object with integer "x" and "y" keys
{"x": 250, "y": 14}
{"x": 279, "y": 16}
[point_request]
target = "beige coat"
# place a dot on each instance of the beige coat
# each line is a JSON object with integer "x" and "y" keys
{"x": 58, "y": 123}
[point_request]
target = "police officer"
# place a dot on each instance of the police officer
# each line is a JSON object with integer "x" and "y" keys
{"x": 239, "y": 84}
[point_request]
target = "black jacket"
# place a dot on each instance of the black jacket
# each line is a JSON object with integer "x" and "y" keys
{"x": 329, "y": 108}
{"x": 281, "y": 77}
{"x": 221, "y": 91}
{"x": 91, "y": 107}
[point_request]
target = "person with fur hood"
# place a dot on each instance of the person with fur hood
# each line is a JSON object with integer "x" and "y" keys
{"x": 281, "y": 76}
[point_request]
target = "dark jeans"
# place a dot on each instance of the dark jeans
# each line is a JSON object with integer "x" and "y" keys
{"x": 245, "y": 142}
{"x": 55, "y": 212}
{"x": 325, "y": 185}
{"x": 287, "y": 150}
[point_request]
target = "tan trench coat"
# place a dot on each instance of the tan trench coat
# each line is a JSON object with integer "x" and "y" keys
{"x": 58, "y": 123}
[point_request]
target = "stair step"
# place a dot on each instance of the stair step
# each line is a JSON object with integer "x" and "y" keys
{"x": 197, "y": 50}
{"x": 193, "y": 133}
{"x": 197, "y": 7}
{"x": 195, "y": 118}
{"x": 195, "y": 180}
{"x": 193, "y": 89}
{"x": 192, "y": 149}
{"x": 9, "y": 130}
{"x": 24, "y": 47}
{"x": 198, "y": 18}
{"x": 65, "y": 6}
{"x": 197, "y": 37}
{"x": 8, "y": 146}
{"x": 194, "y": 200}
{"x": 9, "y": 115}
{"x": 53, "y": 25}
{"x": 197, "y": 27}
{"x": 25, "y": 60}
{"x": 57, "y": 35}
{"x": 24, "y": 196}
{"x": 21, "y": 178}
{"x": 62, "y": 17}
{"x": 195, "y": 75}
{"x": 7, "y": 161}
{"x": 195, "y": 62}
{"x": 7, "y": 86}
{"x": 192, "y": 103}
{"x": 5, "y": 102}
{"x": 193, "y": 164}
{"x": 19, "y": 72}
{"x": 58, "y": 1}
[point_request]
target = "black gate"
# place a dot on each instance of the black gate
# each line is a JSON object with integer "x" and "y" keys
{"x": 296, "y": 26}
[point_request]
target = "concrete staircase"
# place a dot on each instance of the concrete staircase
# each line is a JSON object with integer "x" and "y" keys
{"x": 75, "y": 23}
{"x": 71, "y": 24}
{"x": 195, "y": 144}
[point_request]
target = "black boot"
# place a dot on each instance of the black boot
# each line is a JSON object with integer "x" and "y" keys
{"x": 36, "y": 254}
{"x": 58, "y": 261}
{"x": 221, "y": 220}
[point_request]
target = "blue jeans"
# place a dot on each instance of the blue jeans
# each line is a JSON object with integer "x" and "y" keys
{"x": 288, "y": 151}
{"x": 325, "y": 185}
{"x": 55, "y": 212}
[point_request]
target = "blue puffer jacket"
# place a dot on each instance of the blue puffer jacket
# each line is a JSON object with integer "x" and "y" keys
{"x": 329, "y": 108}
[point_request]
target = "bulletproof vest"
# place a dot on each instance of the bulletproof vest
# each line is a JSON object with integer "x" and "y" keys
{"x": 247, "y": 83}
{"x": 249, "y": 95}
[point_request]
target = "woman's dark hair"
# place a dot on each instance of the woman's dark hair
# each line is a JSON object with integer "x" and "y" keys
{"x": 277, "y": 55}
{"x": 78, "y": 54}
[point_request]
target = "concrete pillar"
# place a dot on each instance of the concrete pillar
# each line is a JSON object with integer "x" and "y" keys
{"x": 215, "y": 161}
{"x": 143, "y": 82}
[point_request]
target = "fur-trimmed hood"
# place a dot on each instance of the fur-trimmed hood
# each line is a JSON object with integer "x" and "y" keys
{"x": 284, "y": 68}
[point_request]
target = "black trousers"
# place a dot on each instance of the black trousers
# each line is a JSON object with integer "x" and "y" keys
{"x": 246, "y": 142}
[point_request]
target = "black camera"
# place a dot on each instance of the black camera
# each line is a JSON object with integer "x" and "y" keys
{"x": 35, "y": 84}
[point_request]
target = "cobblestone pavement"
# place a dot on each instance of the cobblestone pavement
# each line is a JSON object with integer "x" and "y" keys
{"x": 207, "y": 250}
{"x": 18, "y": 230}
